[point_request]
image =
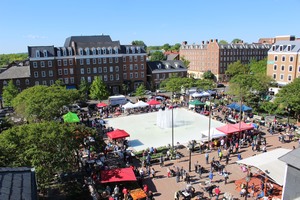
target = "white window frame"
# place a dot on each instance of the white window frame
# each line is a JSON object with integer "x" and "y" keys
{"x": 43, "y": 73}
{"x": 88, "y": 70}
{"x": 291, "y": 58}
{"x": 124, "y": 75}
{"x": 88, "y": 61}
{"x": 42, "y": 63}
{"x": 99, "y": 69}
{"x": 275, "y": 67}
{"x": 65, "y": 62}
{"x": 82, "y": 71}
{"x": 105, "y": 69}
{"x": 94, "y": 61}
{"x": 50, "y": 73}
{"x": 59, "y": 63}
{"x": 36, "y": 74}
{"x": 289, "y": 77}
{"x": 105, "y": 78}
{"x": 283, "y": 59}
{"x": 45, "y": 53}
{"x": 95, "y": 70}
{"x": 60, "y": 72}
{"x": 281, "y": 76}
{"x": 70, "y": 62}
{"x": 282, "y": 66}
{"x": 17, "y": 82}
{"x": 72, "y": 80}
{"x": 117, "y": 68}
{"x": 111, "y": 77}
{"x": 66, "y": 71}
{"x": 49, "y": 63}
{"x": 71, "y": 71}
{"x": 99, "y": 60}
{"x": 111, "y": 69}
{"x": 117, "y": 77}
{"x": 34, "y": 64}
{"x": 27, "y": 82}
{"x": 290, "y": 68}
{"x": 81, "y": 62}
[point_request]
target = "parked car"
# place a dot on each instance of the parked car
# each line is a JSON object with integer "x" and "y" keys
{"x": 220, "y": 85}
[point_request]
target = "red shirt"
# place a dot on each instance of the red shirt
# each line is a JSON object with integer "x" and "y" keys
{"x": 217, "y": 191}
{"x": 125, "y": 191}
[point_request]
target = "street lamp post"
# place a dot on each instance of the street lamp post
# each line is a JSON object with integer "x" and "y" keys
{"x": 190, "y": 157}
{"x": 289, "y": 110}
{"x": 172, "y": 121}
{"x": 247, "y": 182}
{"x": 209, "y": 122}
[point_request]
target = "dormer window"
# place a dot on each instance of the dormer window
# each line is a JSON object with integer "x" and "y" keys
{"x": 280, "y": 48}
{"x": 64, "y": 52}
{"x": 99, "y": 51}
{"x": 94, "y": 51}
{"x": 127, "y": 49}
{"x": 104, "y": 50}
{"x": 289, "y": 47}
{"x": 273, "y": 48}
{"x": 176, "y": 65}
{"x": 110, "y": 50}
{"x": 45, "y": 53}
{"x": 58, "y": 53}
{"x": 87, "y": 51}
{"x": 81, "y": 51}
{"x": 133, "y": 49}
{"x": 139, "y": 49}
{"x": 70, "y": 51}
{"x": 116, "y": 50}
{"x": 37, "y": 53}
{"x": 159, "y": 66}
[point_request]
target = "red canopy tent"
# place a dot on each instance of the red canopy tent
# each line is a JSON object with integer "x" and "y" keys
{"x": 153, "y": 102}
{"x": 228, "y": 129}
{"x": 117, "y": 175}
{"x": 117, "y": 134}
{"x": 101, "y": 104}
{"x": 243, "y": 127}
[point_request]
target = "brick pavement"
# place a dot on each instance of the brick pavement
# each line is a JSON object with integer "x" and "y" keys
{"x": 164, "y": 187}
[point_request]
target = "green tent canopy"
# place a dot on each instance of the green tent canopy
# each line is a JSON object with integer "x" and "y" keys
{"x": 71, "y": 118}
{"x": 196, "y": 103}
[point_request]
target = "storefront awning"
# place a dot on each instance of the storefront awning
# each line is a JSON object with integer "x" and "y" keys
{"x": 117, "y": 175}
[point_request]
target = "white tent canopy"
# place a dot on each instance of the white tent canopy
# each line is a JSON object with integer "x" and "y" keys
{"x": 269, "y": 163}
{"x": 128, "y": 105}
{"x": 196, "y": 94}
{"x": 140, "y": 104}
{"x": 214, "y": 133}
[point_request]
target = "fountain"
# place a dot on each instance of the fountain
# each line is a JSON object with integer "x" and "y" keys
{"x": 164, "y": 118}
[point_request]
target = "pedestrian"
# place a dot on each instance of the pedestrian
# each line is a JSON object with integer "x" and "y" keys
{"x": 168, "y": 172}
{"x": 187, "y": 178}
{"x": 161, "y": 161}
{"x": 210, "y": 176}
{"x": 220, "y": 155}
{"x": 177, "y": 176}
{"x": 153, "y": 173}
{"x": 196, "y": 166}
{"x": 217, "y": 192}
{"x": 182, "y": 172}
{"x": 225, "y": 177}
{"x": 227, "y": 159}
{"x": 207, "y": 155}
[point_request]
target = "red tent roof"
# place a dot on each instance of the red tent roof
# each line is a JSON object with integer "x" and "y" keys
{"x": 117, "y": 175}
{"x": 244, "y": 126}
{"x": 153, "y": 102}
{"x": 99, "y": 105}
{"x": 117, "y": 134}
{"x": 228, "y": 129}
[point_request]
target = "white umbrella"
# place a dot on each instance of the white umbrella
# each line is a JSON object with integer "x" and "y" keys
{"x": 140, "y": 104}
{"x": 128, "y": 105}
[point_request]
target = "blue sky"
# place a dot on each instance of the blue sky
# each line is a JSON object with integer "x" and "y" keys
{"x": 30, "y": 22}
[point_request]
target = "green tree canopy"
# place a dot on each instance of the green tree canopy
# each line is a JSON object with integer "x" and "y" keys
{"x": 258, "y": 67}
{"x": 185, "y": 61}
{"x": 140, "y": 91}
{"x": 84, "y": 88}
{"x": 237, "y": 68}
{"x": 166, "y": 47}
{"x": 236, "y": 40}
{"x": 175, "y": 47}
{"x": 157, "y": 56}
{"x": 6, "y": 59}
{"x": 204, "y": 84}
{"x": 208, "y": 75}
{"x": 139, "y": 43}
{"x": 223, "y": 42}
{"x": 42, "y": 102}
{"x": 98, "y": 90}
{"x": 9, "y": 93}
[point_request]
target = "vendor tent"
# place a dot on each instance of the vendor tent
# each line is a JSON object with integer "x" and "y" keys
{"x": 128, "y": 105}
{"x": 269, "y": 163}
{"x": 140, "y": 104}
{"x": 242, "y": 126}
{"x": 214, "y": 133}
{"x": 101, "y": 104}
{"x": 237, "y": 107}
{"x": 196, "y": 103}
{"x": 71, "y": 118}
{"x": 153, "y": 102}
{"x": 196, "y": 94}
{"x": 228, "y": 129}
{"x": 117, "y": 134}
{"x": 117, "y": 175}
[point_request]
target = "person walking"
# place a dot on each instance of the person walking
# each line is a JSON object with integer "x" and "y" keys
{"x": 161, "y": 161}
{"x": 177, "y": 176}
{"x": 207, "y": 157}
{"x": 196, "y": 165}
{"x": 217, "y": 192}
{"x": 153, "y": 173}
{"x": 210, "y": 176}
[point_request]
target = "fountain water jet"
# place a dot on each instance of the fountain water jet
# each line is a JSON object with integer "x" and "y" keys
{"x": 164, "y": 118}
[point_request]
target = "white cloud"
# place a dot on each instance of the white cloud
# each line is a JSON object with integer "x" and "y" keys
{"x": 30, "y": 36}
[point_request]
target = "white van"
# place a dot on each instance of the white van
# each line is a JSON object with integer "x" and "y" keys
{"x": 117, "y": 100}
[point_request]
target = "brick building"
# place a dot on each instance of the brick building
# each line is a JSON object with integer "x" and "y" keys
{"x": 284, "y": 60}
{"x": 157, "y": 71}
{"x": 215, "y": 57}
{"x": 85, "y": 57}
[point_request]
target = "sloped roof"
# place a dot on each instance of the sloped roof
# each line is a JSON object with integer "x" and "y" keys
{"x": 16, "y": 72}
{"x": 18, "y": 183}
{"x": 91, "y": 41}
{"x": 292, "y": 158}
{"x": 166, "y": 65}
{"x": 295, "y": 46}
{"x": 172, "y": 56}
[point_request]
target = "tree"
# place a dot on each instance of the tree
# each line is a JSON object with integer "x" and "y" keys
{"x": 125, "y": 88}
{"x": 84, "y": 88}
{"x": 237, "y": 68}
{"x": 166, "y": 47}
{"x": 223, "y": 42}
{"x": 185, "y": 62}
{"x": 236, "y": 40}
{"x": 9, "y": 93}
{"x": 204, "y": 84}
{"x": 173, "y": 84}
{"x": 139, "y": 43}
{"x": 176, "y": 47}
{"x": 40, "y": 102}
{"x": 98, "y": 90}
{"x": 289, "y": 97}
{"x": 6, "y": 59}
{"x": 157, "y": 56}
{"x": 140, "y": 91}
{"x": 208, "y": 75}
{"x": 258, "y": 67}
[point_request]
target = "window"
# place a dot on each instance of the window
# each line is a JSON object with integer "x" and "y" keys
{"x": 64, "y": 52}
{"x": 117, "y": 68}
{"x": 95, "y": 70}
{"x": 45, "y": 53}
{"x": 125, "y": 68}
{"x": 27, "y": 82}
{"x": 131, "y": 75}
{"x": 88, "y": 70}
{"x": 275, "y": 67}
{"x": 105, "y": 69}
{"x": 117, "y": 77}
{"x": 290, "y": 68}
{"x": 82, "y": 78}
{"x": 66, "y": 80}
{"x": 50, "y": 72}
{"x": 142, "y": 66}
{"x": 124, "y": 75}
{"x": 44, "y": 82}
{"x": 66, "y": 71}
{"x": 111, "y": 69}
{"x": 70, "y": 51}
{"x": 283, "y": 58}
{"x": 142, "y": 75}
{"x": 94, "y": 61}
{"x": 81, "y": 51}
{"x": 131, "y": 67}
{"x": 36, "y": 74}
{"x": 291, "y": 58}
{"x": 65, "y": 62}
{"x": 49, "y": 63}
{"x": 276, "y": 58}
{"x": 299, "y": 69}
{"x": 139, "y": 49}
{"x": 105, "y": 77}
{"x": 71, "y": 71}
{"x": 87, "y": 61}
{"x": 94, "y": 51}
{"x": 133, "y": 49}
{"x": 124, "y": 59}
{"x": 42, "y": 64}
{"x": 4, "y": 83}
{"x": 18, "y": 82}
{"x": 34, "y": 64}
{"x": 81, "y": 61}
{"x": 157, "y": 76}
{"x": 135, "y": 58}
{"x": 110, "y": 50}
{"x": 127, "y": 50}
{"x": 142, "y": 58}
{"x": 130, "y": 59}
{"x": 104, "y": 60}
{"x": 280, "y": 47}
{"x": 87, "y": 51}
{"x": 116, "y": 50}
{"x": 111, "y": 77}
{"x": 99, "y": 60}
{"x": 82, "y": 71}
{"x": 58, "y": 53}
{"x": 273, "y": 48}
{"x": 36, "y": 83}
{"x": 289, "y": 47}
{"x": 37, "y": 53}
{"x": 282, "y": 67}
{"x": 43, "y": 74}
{"x": 136, "y": 74}
{"x": 99, "y": 51}
{"x": 60, "y": 72}
{"x": 110, "y": 60}
{"x": 136, "y": 67}
{"x": 116, "y": 59}
{"x": 72, "y": 80}
{"x": 99, "y": 69}
{"x": 289, "y": 77}
{"x": 281, "y": 76}
{"x": 100, "y": 76}
{"x": 59, "y": 62}
{"x": 104, "y": 52}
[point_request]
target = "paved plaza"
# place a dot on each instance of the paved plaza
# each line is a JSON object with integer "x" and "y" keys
{"x": 145, "y": 133}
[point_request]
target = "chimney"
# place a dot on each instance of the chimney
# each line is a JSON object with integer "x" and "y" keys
{"x": 207, "y": 42}
{"x": 184, "y": 43}
{"x": 211, "y": 40}
{"x": 203, "y": 42}
{"x": 216, "y": 40}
